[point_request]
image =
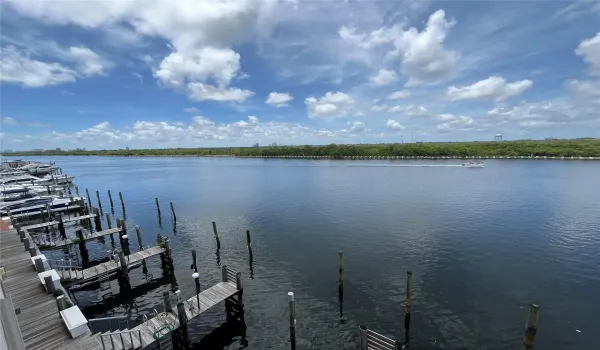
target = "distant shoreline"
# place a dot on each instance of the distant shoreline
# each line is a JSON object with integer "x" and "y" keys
{"x": 580, "y": 149}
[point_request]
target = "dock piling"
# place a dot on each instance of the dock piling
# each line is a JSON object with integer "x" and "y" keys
{"x": 167, "y": 301}
{"x": 87, "y": 193}
{"x": 39, "y": 265}
{"x": 123, "y": 262}
{"x": 50, "y": 287}
{"x": 224, "y": 273}
{"x": 531, "y": 326}
{"x": 122, "y": 201}
{"x": 196, "y": 277}
{"x": 407, "y": 308}
{"x": 138, "y": 233}
{"x": 214, "y": 224}
{"x": 77, "y": 191}
{"x": 292, "y": 307}
{"x": 194, "y": 264}
{"x": 248, "y": 240}
{"x": 364, "y": 342}
{"x": 157, "y": 206}
{"x": 182, "y": 320}
{"x": 61, "y": 303}
{"x": 341, "y": 285}
{"x": 110, "y": 199}
{"x": 33, "y": 251}
{"x": 97, "y": 219}
{"x": 108, "y": 221}
{"x": 27, "y": 243}
{"x": 98, "y": 197}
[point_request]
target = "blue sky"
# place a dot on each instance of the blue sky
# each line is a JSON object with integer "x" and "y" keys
{"x": 163, "y": 73}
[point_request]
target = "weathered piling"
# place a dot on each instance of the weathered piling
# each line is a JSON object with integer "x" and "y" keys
{"x": 407, "y": 309}
{"x": 157, "y": 206}
{"x": 138, "y": 233}
{"x": 196, "y": 277}
{"x": 248, "y": 240}
{"x": 173, "y": 216}
{"x": 61, "y": 303}
{"x": 27, "y": 243}
{"x": 122, "y": 201}
{"x": 97, "y": 219}
{"x": 183, "y": 323}
{"x": 39, "y": 265}
{"x": 87, "y": 194}
{"x": 99, "y": 201}
{"x": 110, "y": 199}
{"x": 292, "y": 308}
{"x": 214, "y": 224}
{"x": 77, "y": 191}
{"x": 363, "y": 336}
{"x": 123, "y": 262}
{"x": 50, "y": 287}
{"x": 341, "y": 285}
{"x": 531, "y": 326}
{"x": 33, "y": 251}
{"x": 82, "y": 248}
{"x": 61, "y": 227}
{"x": 108, "y": 222}
{"x": 167, "y": 302}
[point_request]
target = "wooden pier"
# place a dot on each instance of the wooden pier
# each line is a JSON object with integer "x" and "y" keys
{"x": 52, "y": 223}
{"x": 146, "y": 333}
{"x": 37, "y": 208}
{"x": 47, "y": 241}
{"x": 74, "y": 274}
{"x": 37, "y": 316}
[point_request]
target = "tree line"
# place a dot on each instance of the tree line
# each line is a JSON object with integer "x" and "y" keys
{"x": 557, "y": 148}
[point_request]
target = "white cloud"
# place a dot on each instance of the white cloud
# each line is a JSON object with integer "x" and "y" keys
{"x": 88, "y": 63}
{"x": 410, "y": 110}
{"x": 587, "y": 90}
{"x": 330, "y": 105}
{"x": 279, "y": 99}
{"x": 18, "y": 68}
{"x": 379, "y": 108}
{"x": 589, "y": 49}
{"x": 202, "y": 92}
{"x": 384, "y": 77}
{"x": 452, "y": 122}
{"x": 396, "y": 95}
{"x": 493, "y": 88}
{"x": 191, "y": 110}
{"x": 394, "y": 125}
{"x": 8, "y": 121}
{"x": 355, "y": 127}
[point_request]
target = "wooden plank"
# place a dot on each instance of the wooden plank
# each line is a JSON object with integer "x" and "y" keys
{"x": 52, "y": 223}
{"x": 58, "y": 243}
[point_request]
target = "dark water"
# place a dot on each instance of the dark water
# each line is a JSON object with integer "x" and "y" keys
{"x": 482, "y": 244}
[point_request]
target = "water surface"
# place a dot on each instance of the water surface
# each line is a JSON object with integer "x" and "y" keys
{"x": 482, "y": 244}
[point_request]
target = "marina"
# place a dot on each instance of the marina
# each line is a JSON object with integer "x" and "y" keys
{"x": 83, "y": 270}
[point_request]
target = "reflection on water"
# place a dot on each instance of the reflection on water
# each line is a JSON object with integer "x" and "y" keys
{"x": 481, "y": 243}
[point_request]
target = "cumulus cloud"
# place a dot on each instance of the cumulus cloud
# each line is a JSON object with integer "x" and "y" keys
{"x": 332, "y": 104}
{"x": 278, "y": 99}
{"x": 18, "y": 68}
{"x": 589, "y": 49}
{"x": 191, "y": 110}
{"x": 8, "y": 121}
{"x": 379, "y": 108}
{"x": 453, "y": 122}
{"x": 493, "y": 88}
{"x": 410, "y": 110}
{"x": 396, "y": 95}
{"x": 394, "y": 125}
{"x": 88, "y": 62}
{"x": 384, "y": 77}
{"x": 202, "y": 92}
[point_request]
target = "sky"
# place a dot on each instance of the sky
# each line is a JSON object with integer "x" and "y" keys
{"x": 196, "y": 73}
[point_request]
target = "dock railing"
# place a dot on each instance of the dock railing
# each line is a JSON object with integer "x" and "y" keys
{"x": 119, "y": 320}
{"x": 373, "y": 340}
{"x": 127, "y": 333}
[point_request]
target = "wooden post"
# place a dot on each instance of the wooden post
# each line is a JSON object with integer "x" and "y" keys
{"x": 238, "y": 281}
{"x": 194, "y": 265}
{"x": 110, "y": 199}
{"x": 108, "y": 222}
{"x": 196, "y": 277}
{"x": 182, "y": 318}
{"x": 123, "y": 262}
{"x": 139, "y": 237}
{"x": 77, "y": 191}
{"x": 39, "y": 265}
{"x": 167, "y": 301}
{"x": 61, "y": 303}
{"x": 341, "y": 269}
{"x": 407, "y": 307}
{"x": 50, "y": 287}
{"x": 216, "y": 234}
{"x": 22, "y": 235}
{"x": 364, "y": 342}
{"x": 98, "y": 197}
{"x": 292, "y": 307}
{"x": 157, "y": 206}
{"x": 33, "y": 251}
{"x": 61, "y": 228}
{"x": 531, "y": 326}
{"x": 87, "y": 193}
{"x": 97, "y": 219}
{"x": 248, "y": 239}
{"x": 224, "y": 273}
{"x": 79, "y": 234}
{"x": 122, "y": 201}
{"x": 27, "y": 242}
{"x": 173, "y": 216}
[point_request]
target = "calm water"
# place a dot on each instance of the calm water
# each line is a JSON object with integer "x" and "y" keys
{"x": 482, "y": 244}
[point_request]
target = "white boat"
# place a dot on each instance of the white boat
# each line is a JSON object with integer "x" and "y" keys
{"x": 55, "y": 179}
{"x": 473, "y": 164}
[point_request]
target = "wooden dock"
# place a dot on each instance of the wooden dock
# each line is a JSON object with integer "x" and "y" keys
{"x": 47, "y": 241}
{"x": 52, "y": 223}
{"x": 68, "y": 274}
{"x": 41, "y": 207}
{"x": 38, "y": 319}
{"x": 143, "y": 334}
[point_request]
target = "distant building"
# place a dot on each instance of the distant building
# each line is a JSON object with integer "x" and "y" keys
{"x": 498, "y": 137}
{"x": 58, "y": 149}
{"x": 127, "y": 148}
{"x": 37, "y": 150}
{"x": 8, "y": 151}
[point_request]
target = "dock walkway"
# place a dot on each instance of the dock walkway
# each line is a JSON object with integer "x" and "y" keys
{"x": 47, "y": 241}
{"x": 38, "y": 319}
{"x": 70, "y": 275}
{"x": 52, "y": 223}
